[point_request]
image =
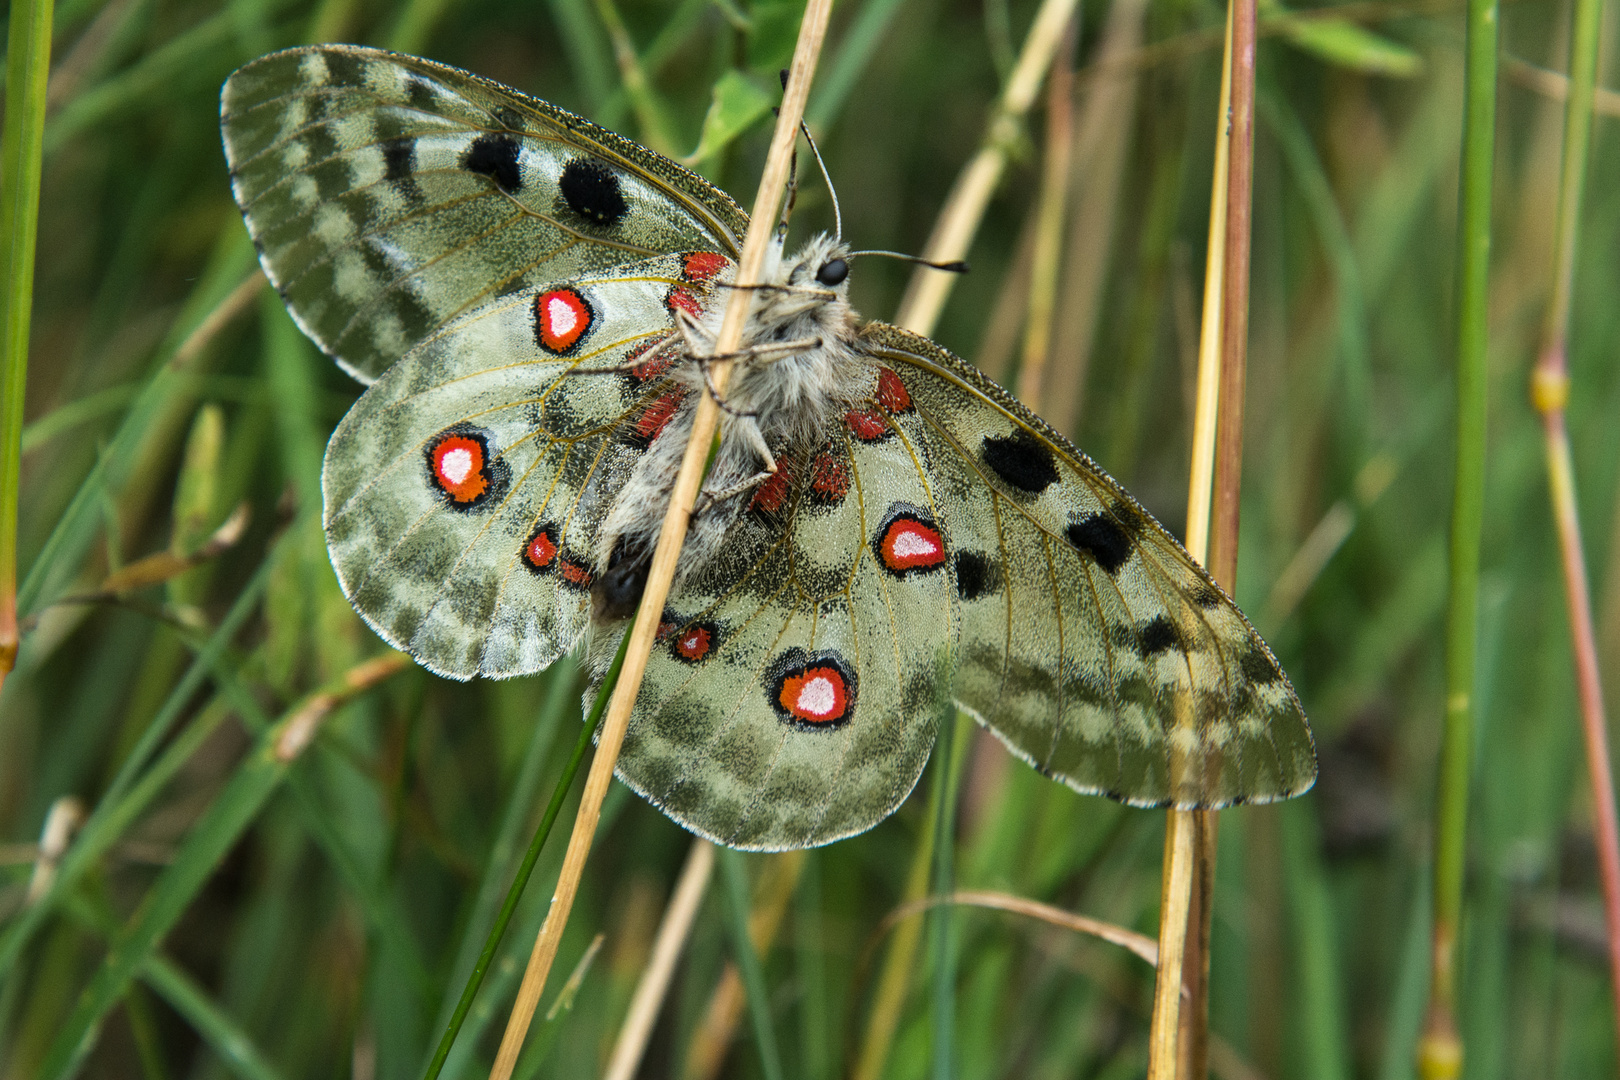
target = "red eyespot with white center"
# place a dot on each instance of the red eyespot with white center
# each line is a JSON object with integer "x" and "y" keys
{"x": 892, "y": 393}
{"x": 908, "y": 542}
{"x": 561, "y": 318}
{"x": 540, "y": 553}
{"x": 458, "y": 463}
{"x": 704, "y": 265}
{"x": 811, "y": 691}
{"x": 694, "y": 642}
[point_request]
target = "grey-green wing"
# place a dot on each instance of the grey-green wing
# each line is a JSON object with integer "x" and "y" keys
{"x": 388, "y": 194}
{"x": 1092, "y": 644}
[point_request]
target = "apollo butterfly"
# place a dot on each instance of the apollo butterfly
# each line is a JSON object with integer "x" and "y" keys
{"x": 884, "y": 533}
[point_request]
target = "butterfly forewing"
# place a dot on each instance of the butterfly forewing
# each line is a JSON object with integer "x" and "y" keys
{"x": 388, "y": 195}
{"x": 1091, "y": 643}
{"x": 464, "y": 489}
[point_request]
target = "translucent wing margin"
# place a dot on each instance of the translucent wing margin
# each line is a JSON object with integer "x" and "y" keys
{"x": 388, "y": 194}
{"x": 1091, "y": 644}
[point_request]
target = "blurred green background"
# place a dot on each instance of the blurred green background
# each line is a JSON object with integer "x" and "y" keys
{"x": 324, "y": 911}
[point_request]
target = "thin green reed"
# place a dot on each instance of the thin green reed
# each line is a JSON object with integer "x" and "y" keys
{"x": 22, "y": 157}
{"x": 1440, "y": 1052}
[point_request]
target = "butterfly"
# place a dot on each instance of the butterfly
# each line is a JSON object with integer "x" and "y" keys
{"x": 884, "y": 533}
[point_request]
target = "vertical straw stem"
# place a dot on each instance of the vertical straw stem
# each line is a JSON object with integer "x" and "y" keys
{"x": 964, "y": 208}
{"x": 1440, "y": 1050}
{"x": 1179, "y": 1039}
{"x": 1549, "y": 391}
{"x": 672, "y": 935}
{"x": 21, "y": 163}
{"x": 705, "y": 424}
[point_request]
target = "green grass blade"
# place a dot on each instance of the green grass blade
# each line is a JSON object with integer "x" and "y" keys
{"x": 748, "y": 965}
{"x": 1440, "y": 1050}
{"x": 21, "y": 163}
{"x": 521, "y": 879}
{"x": 125, "y": 798}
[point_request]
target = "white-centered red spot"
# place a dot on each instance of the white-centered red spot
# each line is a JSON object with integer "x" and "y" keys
{"x": 561, "y": 318}
{"x": 694, "y": 642}
{"x": 541, "y": 551}
{"x": 459, "y": 467}
{"x": 704, "y": 265}
{"x": 811, "y": 690}
{"x": 908, "y": 543}
{"x": 817, "y": 695}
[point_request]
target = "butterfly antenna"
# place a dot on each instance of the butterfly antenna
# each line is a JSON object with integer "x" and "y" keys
{"x": 838, "y": 216}
{"x": 958, "y": 266}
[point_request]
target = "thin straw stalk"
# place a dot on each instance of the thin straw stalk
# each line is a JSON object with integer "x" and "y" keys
{"x": 812, "y": 31}
{"x": 1178, "y": 1039}
{"x": 964, "y": 208}
{"x": 1550, "y": 394}
{"x": 672, "y": 934}
{"x": 1440, "y": 1049}
{"x": 22, "y": 158}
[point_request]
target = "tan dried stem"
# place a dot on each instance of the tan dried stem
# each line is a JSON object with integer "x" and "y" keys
{"x": 1050, "y": 208}
{"x": 672, "y": 934}
{"x": 964, "y": 208}
{"x": 1550, "y": 394}
{"x": 772, "y": 184}
{"x": 1177, "y": 1042}
{"x": 1139, "y": 944}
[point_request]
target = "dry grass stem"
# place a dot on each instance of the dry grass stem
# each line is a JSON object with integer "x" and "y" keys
{"x": 1050, "y": 208}
{"x": 964, "y": 208}
{"x": 673, "y": 931}
{"x": 1139, "y": 944}
{"x": 1180, "y": 843}
{"x": 1101, "y": 151}
{"x": 772, "y": 185}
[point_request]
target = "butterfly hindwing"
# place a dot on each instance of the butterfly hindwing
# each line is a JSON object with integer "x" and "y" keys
{"x": 465, "y": 488}
{"x": 388, "y": 194}
{"x": 1091, "y": 643}
{"x": 798, "y": 681}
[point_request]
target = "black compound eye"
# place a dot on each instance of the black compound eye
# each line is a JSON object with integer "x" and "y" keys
{"x": 833, "y": 272}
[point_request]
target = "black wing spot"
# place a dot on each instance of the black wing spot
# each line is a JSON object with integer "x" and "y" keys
{"x": 495, "y": 156}
{"x": 593, "y": 191}
{"x": 976, "y": 575}
{"x": 1257, "y": 667}
{"x": 1022, "y": 461}
{"x": 1158, "y": 636}
{"x": 1207, "y": 597}
{"x": 399, "y": 158}
{"x": 420, "y": 93}
{"x": 1100, "y": 536}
